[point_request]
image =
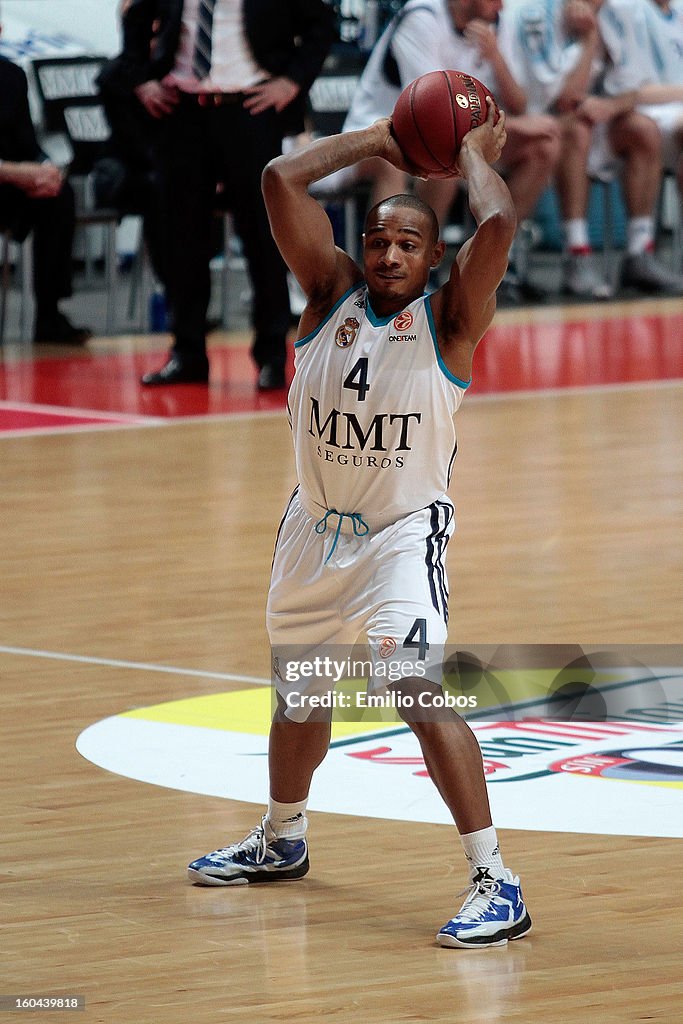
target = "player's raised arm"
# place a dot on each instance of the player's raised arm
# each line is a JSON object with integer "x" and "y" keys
{"x": 300, "y": 225}
{"x": 464, "y": 307}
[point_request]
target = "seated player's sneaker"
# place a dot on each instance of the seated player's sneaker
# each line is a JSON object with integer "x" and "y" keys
{"x": 260, "y": 857}
{"x": 647, "y": 274}
{"x": 581, "y": 278}
{"x": 493, "y": 912}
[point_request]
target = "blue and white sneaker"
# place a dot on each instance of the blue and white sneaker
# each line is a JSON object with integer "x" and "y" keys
{"x": 260, "y": 857}
{"x": 493, "y": 912}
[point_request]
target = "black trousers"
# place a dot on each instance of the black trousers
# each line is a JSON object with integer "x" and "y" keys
{"x": 199, "y": 149}
{"x": 52, "y": 223}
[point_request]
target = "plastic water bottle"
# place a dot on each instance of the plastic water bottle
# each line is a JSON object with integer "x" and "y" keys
{"x": 158, "y": 320}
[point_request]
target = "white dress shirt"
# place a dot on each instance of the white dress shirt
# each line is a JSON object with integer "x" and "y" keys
{"x": 233, "y": 67}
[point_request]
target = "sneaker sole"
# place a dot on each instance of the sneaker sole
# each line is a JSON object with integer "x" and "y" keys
{"x": 498, "y": 939}
{"x": 251, "y": 877}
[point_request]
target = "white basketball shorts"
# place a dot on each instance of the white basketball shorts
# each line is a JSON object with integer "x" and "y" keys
{"x": 669, "y": 119}
{"x": 390, "y": 586}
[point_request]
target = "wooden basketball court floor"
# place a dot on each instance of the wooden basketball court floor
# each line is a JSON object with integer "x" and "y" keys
{"x": 137, "y": 530}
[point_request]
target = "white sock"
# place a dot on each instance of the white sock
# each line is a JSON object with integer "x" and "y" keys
{"x": 287, "y": 821}
{"x": 575, "y": 233}
{"x": 640, "y": 235}
{"x": 483, "y": 853}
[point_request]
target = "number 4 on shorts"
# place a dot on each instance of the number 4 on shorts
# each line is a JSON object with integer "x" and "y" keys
{"x": 419, "y": 630}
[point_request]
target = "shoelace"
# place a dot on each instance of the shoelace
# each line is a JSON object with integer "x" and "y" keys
{"x": 479, "y": 901}
{"x": 360, "y": 527}
{"x": 255, "y": 841}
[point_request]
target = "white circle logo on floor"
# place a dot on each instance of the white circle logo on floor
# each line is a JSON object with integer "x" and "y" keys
{"x": 620, "y": 777}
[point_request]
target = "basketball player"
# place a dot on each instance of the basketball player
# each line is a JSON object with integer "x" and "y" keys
{"x": 380, "y": 370}
{"x": 558, "y": 55}
{"x": 644, "y": 39}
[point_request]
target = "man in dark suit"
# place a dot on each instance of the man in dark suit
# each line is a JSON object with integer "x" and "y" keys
{"x": 35, "y": 196}
{"x": 227, "y": 80}
{"x": 126, "y": 176}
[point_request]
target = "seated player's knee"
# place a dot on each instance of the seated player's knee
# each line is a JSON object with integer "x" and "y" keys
{"x": 540, "y": 154}
{"x": 547, "y": 151}
{"x": 639, "y": 133}
{"x": 575, "y": 135}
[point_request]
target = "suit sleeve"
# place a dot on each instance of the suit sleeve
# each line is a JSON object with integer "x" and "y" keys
{"x": 139, "y": 61}
{"x": 314, "y": 26}
{"x": 24, "y": 136}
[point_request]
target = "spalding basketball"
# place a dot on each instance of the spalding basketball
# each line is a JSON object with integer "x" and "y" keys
{"x": 432, "y": 116}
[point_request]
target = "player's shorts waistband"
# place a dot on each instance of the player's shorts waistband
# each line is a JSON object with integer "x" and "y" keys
{"x": 336, "y": 521}
{"x": 348, "y": 522}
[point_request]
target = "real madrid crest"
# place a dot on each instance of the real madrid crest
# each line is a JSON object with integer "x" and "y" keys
{"x": 346, "y": 332}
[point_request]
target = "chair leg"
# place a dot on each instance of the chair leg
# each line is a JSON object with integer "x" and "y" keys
{"x": 676, "y": 203}
{"x": 5, "y": 285}
{"x": 225, "y": 273}
{"x": 135, "y": 292}
{"x": 669, "y": 214}
{"x": 677, "y": 240}
{"x": 26, "y": 261}
{"x": 111, "y": 276}
{"x": 607, "y": 229}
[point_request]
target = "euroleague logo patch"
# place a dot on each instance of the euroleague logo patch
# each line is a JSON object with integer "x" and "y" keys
{"x": 387, "y": 646}
{"x": 404, "y": 321}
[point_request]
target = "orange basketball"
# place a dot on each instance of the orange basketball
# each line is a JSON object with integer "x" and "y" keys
{"x": 432, "y": 116}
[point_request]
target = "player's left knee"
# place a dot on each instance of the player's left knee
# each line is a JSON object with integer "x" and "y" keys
{"x": 418, "y": 701}
{"x": 641, "y": 133}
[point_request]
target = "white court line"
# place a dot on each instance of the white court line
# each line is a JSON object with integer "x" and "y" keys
{"x": 105, "y": 420}
{"x": 84, "y": 659}
{"x": 134, "y": 424}
{"x": 68, "y": 410}
{"x": 131, "y": 423}
{"x": 75, "y": 428}
{"x": 576, "y": 389}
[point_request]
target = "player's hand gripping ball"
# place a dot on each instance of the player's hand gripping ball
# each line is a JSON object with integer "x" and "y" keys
{"x": 433, "y": 115}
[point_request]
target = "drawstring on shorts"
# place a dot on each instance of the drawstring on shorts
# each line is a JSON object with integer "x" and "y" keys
{"x": 360, "y": 527}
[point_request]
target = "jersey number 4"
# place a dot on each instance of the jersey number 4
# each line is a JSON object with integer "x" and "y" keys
{"x": 417, "y": 639}
{"x": 357, "y": 378}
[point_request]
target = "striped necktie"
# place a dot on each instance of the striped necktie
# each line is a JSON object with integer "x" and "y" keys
{"x": 201, "y": 61}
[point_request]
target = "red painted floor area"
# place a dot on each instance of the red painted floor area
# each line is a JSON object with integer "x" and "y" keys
{"x": 580, "y": 353}
{"x": 110, "y": 383}
{"x": 532, "y": 356}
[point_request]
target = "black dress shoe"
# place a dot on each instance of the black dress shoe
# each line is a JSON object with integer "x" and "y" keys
{"x": 58, "y": 330}
{"x": 176, "y": 371}
{"x": 271, "y": 377}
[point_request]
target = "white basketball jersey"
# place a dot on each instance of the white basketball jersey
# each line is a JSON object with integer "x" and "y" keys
{"x": 665, "y": 31}
{"x": 371, "y": 408}
{"x": 624, "y": 32}
{"x": 538, "y": 51}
